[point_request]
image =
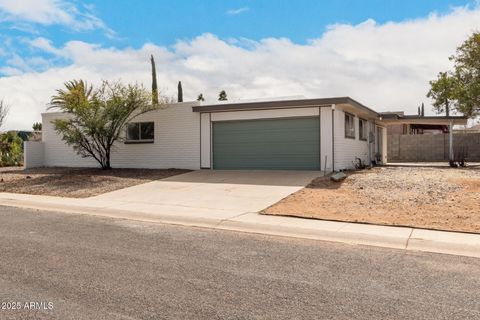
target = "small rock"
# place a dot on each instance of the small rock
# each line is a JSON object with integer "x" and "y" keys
{"x": 28, "y": 177}
{"x": 339, "y": 176}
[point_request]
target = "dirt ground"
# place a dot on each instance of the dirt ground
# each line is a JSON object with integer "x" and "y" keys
{"x": 76, "y": 182}
{"x": 434, "y": 198}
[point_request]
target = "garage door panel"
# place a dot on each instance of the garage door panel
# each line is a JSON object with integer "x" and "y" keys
{"x": 296, "y": 149}
{"x": 266, "y": 137}
{"x": 267, "y": 144}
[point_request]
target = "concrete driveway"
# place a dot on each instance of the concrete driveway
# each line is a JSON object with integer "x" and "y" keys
{"x": 207, "y": 193}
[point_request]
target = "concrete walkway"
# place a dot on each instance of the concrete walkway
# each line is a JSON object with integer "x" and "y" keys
{"x": 230, "y": 201}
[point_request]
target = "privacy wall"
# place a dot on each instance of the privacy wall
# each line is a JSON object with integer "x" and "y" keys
{"x": 431, "y": 147}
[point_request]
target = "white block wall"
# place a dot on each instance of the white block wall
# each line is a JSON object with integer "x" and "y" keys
{"x": 346, "y": 149}
{"x": 176, "y": 143}
{"x": 33, "y": 153}
{"x": 326, "y": 141}
{"x": 56, "y": 152}
{"x": 206, "y": 140}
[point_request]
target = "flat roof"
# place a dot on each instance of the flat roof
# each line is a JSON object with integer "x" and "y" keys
{"x": 389, "y": 118}
{"x": 281, "y": 104}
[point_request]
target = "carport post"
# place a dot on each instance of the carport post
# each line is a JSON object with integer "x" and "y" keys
{"x": 450, "y": 140}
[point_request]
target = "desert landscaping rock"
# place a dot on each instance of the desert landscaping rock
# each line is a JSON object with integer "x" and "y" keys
{"x": 437, "y": 198}
{"x": 76, "y": 182}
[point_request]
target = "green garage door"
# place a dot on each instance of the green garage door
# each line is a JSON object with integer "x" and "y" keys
{"x": 282, "y": 144}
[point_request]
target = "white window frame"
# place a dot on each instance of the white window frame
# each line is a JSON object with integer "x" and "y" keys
{"x": 350, "y": 132}
{"x": 363, "y": 129}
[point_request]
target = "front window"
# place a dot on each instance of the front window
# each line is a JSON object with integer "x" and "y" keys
{"x": 140, "y": 132}
{"x": 349, "y": 126}
{"x": 362, "y": 128}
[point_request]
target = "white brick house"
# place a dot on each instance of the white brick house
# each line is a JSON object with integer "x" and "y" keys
{"x": 306, "y": 134}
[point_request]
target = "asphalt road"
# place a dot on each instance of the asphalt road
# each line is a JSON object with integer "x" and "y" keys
{"x": 96, "y": 268}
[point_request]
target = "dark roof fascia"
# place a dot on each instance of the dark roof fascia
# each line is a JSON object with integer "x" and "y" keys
{"x": 392, "y": 115}
{"x": 433, "y": 117}
{"x": 389, "y": 116}
{"x": 281, "y": 104}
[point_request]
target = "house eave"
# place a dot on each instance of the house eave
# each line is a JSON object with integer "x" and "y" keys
{"x": 433, "y": 120}
{"x": 284, "y": 104}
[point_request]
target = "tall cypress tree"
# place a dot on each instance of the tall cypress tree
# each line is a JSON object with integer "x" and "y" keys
{"x": 180, "y": 92}
{"x": 423, "y": 110}
{"x": 154, "y": 82}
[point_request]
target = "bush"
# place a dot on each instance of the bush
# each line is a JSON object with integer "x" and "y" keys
{"x": 11, "y": 149}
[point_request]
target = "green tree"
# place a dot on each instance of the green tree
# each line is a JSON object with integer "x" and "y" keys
{"x": 443, "y": 92}
{"x": 154, "y": 82}
{"x": 222, "y": 96}
{"x": 200, "y": 97}
{"x": 461, "y": 87}
{"x": 11, "y": 149}
{"x": 467, "y": 71}
{"x": 37, "y": 126}
{"x": 98, "y": 116}
{"x": 422, "y": 110}
{"x": 180, "y": 92}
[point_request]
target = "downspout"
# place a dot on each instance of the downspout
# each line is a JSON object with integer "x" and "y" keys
{"x": 369, "y": 143}
{"x": 333, "y": 138}
{"x": 450, "y": 140}
{"x": 200, "y": 135}
{"x": 320, "y": 138}
{"x": 211, "y": 139}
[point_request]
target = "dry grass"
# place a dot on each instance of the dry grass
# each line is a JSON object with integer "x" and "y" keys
{"x": 76, "y": 182}
{"x": 434, "y": 198}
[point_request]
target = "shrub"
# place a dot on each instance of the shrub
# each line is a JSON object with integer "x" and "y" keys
{"x": 11, "y": 149}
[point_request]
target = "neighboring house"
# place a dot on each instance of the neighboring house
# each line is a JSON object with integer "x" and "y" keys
{"x": 302, "y": 134}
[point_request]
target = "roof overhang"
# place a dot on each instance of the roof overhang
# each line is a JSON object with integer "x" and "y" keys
{"x": 432, "y": 120}
{"x": 346, "y": 102}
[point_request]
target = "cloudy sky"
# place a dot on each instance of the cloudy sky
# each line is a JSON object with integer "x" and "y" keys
{"x": 380, "y": 52}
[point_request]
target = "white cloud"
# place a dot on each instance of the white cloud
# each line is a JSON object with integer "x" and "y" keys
{"x": 45, "y": 45}
{"x": 50, "y": 12}
{"x": 385, "y": 66}
{"x": 234, "y": 12}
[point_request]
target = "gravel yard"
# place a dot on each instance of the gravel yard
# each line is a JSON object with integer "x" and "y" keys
{"x": 76, "y": 182}
{"x": 436, "y": 198}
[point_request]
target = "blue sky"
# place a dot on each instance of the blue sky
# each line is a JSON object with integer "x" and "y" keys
{"x": 375, "y": 51}
{"x": 299, "y": 20}
{"x": 164, "y": 23}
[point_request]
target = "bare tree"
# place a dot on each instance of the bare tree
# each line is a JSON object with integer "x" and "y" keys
{"x": 3, "y": 112}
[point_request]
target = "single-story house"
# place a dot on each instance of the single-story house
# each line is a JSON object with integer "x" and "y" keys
{"x": 303, "y": 134}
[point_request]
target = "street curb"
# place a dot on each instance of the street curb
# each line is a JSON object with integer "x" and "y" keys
{"x": 315, "y": 234}
{"x": 419, "y": 240}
